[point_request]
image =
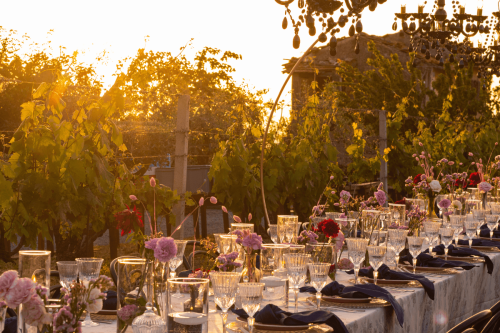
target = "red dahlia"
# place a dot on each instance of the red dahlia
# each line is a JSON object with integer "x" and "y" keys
{"x": 329, "y": 228}
{"x": 474, "y": 179}
{"x": 128, "y": 220}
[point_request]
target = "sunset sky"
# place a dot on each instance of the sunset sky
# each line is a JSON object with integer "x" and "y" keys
{"x": 250, "y": 28}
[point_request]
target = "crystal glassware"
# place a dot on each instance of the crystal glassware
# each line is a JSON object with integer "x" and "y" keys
{"x": 438, "y": 200}
{"x": 347, "y": 226}
{"x": 296, "y": 248}
{"x": 272, "y": 231}
{"x": 251, "y": 297}
{"x": 148, "y": 322}
{"x": 88, "y": 269}
{"x": 457, "y": 224}
{"x": 470, "y": 230}
{"x": 322, "y": 252}
{"x": 217, "y": 241}
{"x": 446, "y": 239}
{"x": 376, "y": 255}
{"x": 397, "y": 241}
{"x": 176, "y": 261}
{"x": 271, "y": 258}
{"x": 398, "y": 213}
{"x": 296, "y": 266}
{"x": 319, "y": 278}
{"x": 68, "y": 272}
{"x": 227, "y": 243}
{"x": 225, "y": 286}
{"x": 492, "y": 222}
{"x": 415, "y": 247}
{"x": 242, "y": 226}
{"x": 432, "y": 232}
{"x": 356, "y": 248}
{"x": 283, "y": 226}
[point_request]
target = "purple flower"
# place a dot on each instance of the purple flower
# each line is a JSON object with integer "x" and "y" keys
{"x": 236, "y": 218}
{"x": 484, "y": 187}
{"x": 165, "y": 249}
{"x": 381, "y": 198}
{"x": 445, "y": 203}
{"x": 252, "y": 241}
{"x": 127, "y": 312}
{"x": 345, "y": 195}
{"x": 7, "y": 279}
{"x": 151, "y": 244}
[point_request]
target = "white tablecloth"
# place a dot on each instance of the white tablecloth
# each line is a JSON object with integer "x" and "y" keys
{"x": 456, "y": 298}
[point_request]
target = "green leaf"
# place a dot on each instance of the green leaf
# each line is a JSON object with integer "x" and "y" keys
{"x": 41, "y": 90}
{"x": 6, "y": 191}
{"x": 27, "y": 110}
{"x": 256, "y": 131}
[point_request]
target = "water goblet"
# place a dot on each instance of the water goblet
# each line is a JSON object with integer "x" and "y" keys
{"x": 479, "y": 216}
{"x": 176, "y": 261}
{"x": 446, "y": 239}
{"x": 217, "y": 241}
{"x": 251, "y": 297}
{"x": 225, "y": 286}
{"x": 397, "y": 239}
{"x": 492, "y": 222}
{"x": 272, "y": 231}
{"x": 227, "y": 243}
{"x": 296, "y": 266}
{"x": 457, "y": 224}
{"x": 356, "y": 248}
{"x": 68, "y": 272}
{"x": 432, "y": 232}
{"x": 376, "y": 255}
{"x": 415, "y": 247}
{"x": 289, "y": 231}
{"x": 88, "y": 269}
{"x": 319, "y": 278}
{"x": 470, "y": 230}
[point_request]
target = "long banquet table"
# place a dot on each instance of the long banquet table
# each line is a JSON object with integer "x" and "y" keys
{"x": 457, "y": 297}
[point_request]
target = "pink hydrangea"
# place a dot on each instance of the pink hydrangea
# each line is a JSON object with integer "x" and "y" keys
{"x": 380, "y": 196}
{"x": 151, "y": 244}
{"x": 485, "y": 187}
{"x": 252, "y": 241}
{"x": 7, "y": 279}
{"x": 165, "y": 249}
{"x": 445, "y": 203}
{"x": 127, "y": 312}
{"x": 20, "y": 292}
{"x": 34, "y": 312}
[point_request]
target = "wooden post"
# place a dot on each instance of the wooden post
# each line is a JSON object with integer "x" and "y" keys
{"x": 225, "y": 218}
{"x": 181, "y": 152}
{"x": 382, "y": 127}
{"x": 114, "y": 242}
{"x": 41, "y": 242}
{"x": 204, "y": 221}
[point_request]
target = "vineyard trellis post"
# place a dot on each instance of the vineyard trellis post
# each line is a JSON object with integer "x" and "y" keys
{"x": 382, "y": 126}
{"x": 181, "y": 158}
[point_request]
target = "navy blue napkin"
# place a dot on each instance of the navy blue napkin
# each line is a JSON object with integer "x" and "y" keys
{"x": 425, "y": 260}
{"x": 271, "y": 314}
{"x": 479, "y": 242}
{"x": 463, "y": 252}
{"x": 360, "y": 291}
{"x": 385, "y": 273}
{"x": 10, "y": 325}
{"x": 485, "y": 232}
{"x": 111, "y": 301}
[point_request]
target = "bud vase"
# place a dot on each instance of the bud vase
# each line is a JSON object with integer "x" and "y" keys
{"x": 250, "y": 272}
{"x": 430, "y": 210}
{"x": 156, "y": 287}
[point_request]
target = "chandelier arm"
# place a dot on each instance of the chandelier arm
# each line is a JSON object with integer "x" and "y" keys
{"x": 363, "y": 6}
{"x": 413, "y": 33}
{"x": 284, "y": 2}
{"x": 266, "y": 215}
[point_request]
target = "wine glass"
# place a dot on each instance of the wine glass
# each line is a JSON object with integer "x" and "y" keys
{"x": 446, "y": 239}
{"x": 176, "y": 261}
{"x": 68, "y": 272}
{"x": 377, "y": 255}
{"x": 88, "y": 269}
{"x": 432, "y": 231}
{"x": 296, "y": 266}
{"x": 440, "y": 198}
{"x": 397, "y": 239}
{"x": 356, "y": 248}
{"x": 225, "y": 285}
{"x": 457, "y": 224}
{"x": 479, "y": 216}
{"x": 492, "y": 222}
{"x": 470, "y": 230}
{"x": 415, "y": 247}
{"x": 217, "y": 241}
{"x": 226, "y": 243}
{"x": 251, "y": 297}
{"x": 272, "y": 231}
{"x": 319, "y": 278}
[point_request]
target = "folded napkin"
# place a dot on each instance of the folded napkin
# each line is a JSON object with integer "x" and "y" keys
{"x": 463, "y": 252}
{"x": 111, "y": 301}
{"x": 10, "y": 325}
{"x": 271, "y": 314}
{"x": 479, "y": 242}
{"x": 485, "y": 232}
{"x": 360, "y": 291}
{"x": 385, "y": 273}
{"x": 425, "y": 260}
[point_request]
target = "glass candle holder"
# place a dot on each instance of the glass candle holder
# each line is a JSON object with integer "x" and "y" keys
{"x": 131, "y": 291}
{"x": 398, "y": 214}
{"x": 271, "y": 258}
{"x": 370, "y": 222}
{"x": 188, "y": 309}
{"x": 321, "y": 253}
{"x": 242, "y": 226}
{"x": 295, "y": 248}
{"x": 285, "y": 228}
{"x": 227, "y": 243}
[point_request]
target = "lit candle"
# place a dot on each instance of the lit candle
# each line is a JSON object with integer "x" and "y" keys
{"x": 462, "y": 10}
{"x": 403, "y": 9}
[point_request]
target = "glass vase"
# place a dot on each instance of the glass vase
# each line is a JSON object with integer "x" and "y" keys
{"x": 131, "y": 291}
{"x": 187, "y": 305}
{"x": 250, "y": 272}
{"x": 430, "y": 210}
{"x": 322, "y": 252}
{"x": 156, "y": 287}
{"x": 34, "y": 265}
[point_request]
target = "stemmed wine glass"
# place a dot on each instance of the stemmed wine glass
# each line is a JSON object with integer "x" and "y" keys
{"x": 217, "y": 241}
{"x": 446, "y": 239}
{"x": 88, "y": 269}
{"x": 272, "y": 231}
{"x": 296, "y": 266}
{"x": 470, "y": 230}
{"x": 68, "y": 272}
{"x": 225, "y": 285}
{"x": 319, "y": 277}
{"x": 457, "y": 224}
{"x": 397, "y": 239}
{"x": 492, "y": 222}
{"x": 415, "y": 247}
{"x": 479, "y": 215}
{"x": 251, "y": 297}
{"x": 377, "y": 256}
{"x": 432, "y": 232}
{"x": 176, "y": 261}
{"x": 356, "y": 248}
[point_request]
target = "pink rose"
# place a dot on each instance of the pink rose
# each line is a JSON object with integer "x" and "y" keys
{"x": 35, "y": 313}
{"x": 201, "y": 202}
{"x": 249, "y": 217}
{"x": 152, "y": 182}
{"x": 236, "y": 218}
{"x": 132, "y": 197}
{"x": 165, "y": 249}
{"x": 21, "y": 292}
{"x": 7, "y": 279}
{"x": 213, "y": 200}
{"x": 485, "y": 187}
{"x": 224, "y": 209}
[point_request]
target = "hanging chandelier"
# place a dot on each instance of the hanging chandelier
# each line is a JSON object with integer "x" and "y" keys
{"x": 319, "y": 16}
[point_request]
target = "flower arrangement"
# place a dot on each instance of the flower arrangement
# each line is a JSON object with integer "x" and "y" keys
{"x": 416, "y": 217}
{"x": 227, "y": 262}
{"x": 307, "y": 237}
{"x": 250, "y": 243}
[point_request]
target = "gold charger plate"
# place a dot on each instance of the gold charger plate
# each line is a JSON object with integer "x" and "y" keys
{"x": 482, "y": 248}
{"x": 466, "y": 259}
{"x": 384, "y": 281}
{"x": 374, "y": 303}
{"x": 338, "y": 299}
{"x": 434, "y": 270}
{"x": 493, "y": 239}
{"x": 261, "y": 328}
{"x": 411, "y": 284}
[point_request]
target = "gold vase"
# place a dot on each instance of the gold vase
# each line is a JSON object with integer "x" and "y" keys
{"x": 430, "y": 210}
{"x": 250, "y": 272}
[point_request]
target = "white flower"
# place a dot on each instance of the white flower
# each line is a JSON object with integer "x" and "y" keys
{"x": 95, "y": 303}
{"x": 457, "y": 204}
{"x": 435, "y": 186}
